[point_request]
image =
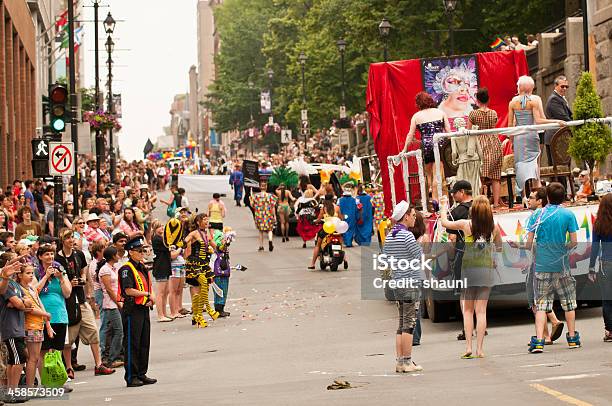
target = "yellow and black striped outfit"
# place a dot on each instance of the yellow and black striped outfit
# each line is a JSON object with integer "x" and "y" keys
{"x": 198, "y": 273}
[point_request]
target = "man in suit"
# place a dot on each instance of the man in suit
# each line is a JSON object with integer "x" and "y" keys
{"x": 557, "y": 108}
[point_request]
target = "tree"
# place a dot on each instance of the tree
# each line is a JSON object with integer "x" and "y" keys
{"x": 591, "y": 142}
{"x": 257, "y": 35}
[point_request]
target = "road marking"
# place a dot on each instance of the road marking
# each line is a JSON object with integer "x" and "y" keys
{"x": 560, "y": 396}
{"x": 565, "y": 377}
{"x": 362, "y": 375}
{"x": 540, "y": 365}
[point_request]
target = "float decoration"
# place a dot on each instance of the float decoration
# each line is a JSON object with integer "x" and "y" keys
{"x": 284, "y": 175}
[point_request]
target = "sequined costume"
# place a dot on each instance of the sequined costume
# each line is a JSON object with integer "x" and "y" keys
{"x": 427, "y": 131}
{"x": 199, "y": 273}
{"x": 378, "y": 202}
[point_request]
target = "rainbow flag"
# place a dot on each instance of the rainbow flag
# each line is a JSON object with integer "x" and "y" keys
{"x": 497, "y": 43}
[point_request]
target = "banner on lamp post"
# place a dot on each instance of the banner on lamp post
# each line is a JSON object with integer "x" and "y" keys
{"x": 265, "y": 102}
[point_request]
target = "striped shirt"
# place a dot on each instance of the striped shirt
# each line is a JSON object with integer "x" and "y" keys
{"x": 403, "y": 247}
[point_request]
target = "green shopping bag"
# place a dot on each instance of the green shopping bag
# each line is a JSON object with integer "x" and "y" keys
{"x": 53, "y": 374}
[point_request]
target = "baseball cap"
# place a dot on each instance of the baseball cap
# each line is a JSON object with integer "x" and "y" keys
{"x": 461, "y": 185}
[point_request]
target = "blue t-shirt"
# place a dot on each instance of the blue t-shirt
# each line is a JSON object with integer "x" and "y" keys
{"x": 29, "y": 196}
{"x": 11, "y": 319}
{"x": 54, "y": 302}
{"x": 551, "y": 226}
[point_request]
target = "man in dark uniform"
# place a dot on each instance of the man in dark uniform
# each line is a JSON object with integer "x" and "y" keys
{"x": 135, "y": 289}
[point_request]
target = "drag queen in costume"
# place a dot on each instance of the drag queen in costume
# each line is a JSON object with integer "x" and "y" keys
{"x": 526, "y": 109}
{"x": 200, "y": 246}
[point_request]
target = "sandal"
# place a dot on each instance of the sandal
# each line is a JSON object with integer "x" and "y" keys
{"x": 311, "y": 267}
{"x": 557, "y": 330}
{"x": 467, "y": 355}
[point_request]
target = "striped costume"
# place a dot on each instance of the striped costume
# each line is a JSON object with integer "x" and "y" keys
{"x": 198, "y": 273}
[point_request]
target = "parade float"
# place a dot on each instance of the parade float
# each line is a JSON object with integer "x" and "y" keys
{"x": 453, "y": 82}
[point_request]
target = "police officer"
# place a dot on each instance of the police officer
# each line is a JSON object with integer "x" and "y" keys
{"x": 137, "y": 297}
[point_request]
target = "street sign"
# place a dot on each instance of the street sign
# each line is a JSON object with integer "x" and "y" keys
{"x": 342, "y": 111}
{"x": 286, "y": 136}
{"x": 304, "y": 115}
{"x": 40, "y": 148}
{"x": 61, "y": 158}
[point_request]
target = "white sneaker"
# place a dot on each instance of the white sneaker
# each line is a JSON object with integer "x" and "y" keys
{"x": 412, "y": 367}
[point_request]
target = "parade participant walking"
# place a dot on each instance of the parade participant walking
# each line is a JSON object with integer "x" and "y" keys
{"x": 602, "y": 249}
{"x": 550, "y": 227}
{"x": 285, "y": 198}
{"x": 222, "y": 267}
{"x": 264, "y": 213}
{"x": 137, "y": 297}
{"x": 364, "y": 224}
{"x": 236, "y": 180}
{"x": 330, "y": 210}
{"x": 482, "y": 237}
{"x": 216, "y": 212}
{"x": 307, "y": 210}
{"x": 200, "y": 246}
{"x": 400, "y": 245}
{"x": 537, "y": 200}
{"x": 348, "y": 207}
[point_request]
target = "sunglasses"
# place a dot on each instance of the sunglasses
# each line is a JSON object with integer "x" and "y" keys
{"x": 564, "y": 87}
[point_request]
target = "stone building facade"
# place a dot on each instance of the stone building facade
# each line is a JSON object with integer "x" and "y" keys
{"x": 600, "y": 19}
{"x": 17, "y": 90}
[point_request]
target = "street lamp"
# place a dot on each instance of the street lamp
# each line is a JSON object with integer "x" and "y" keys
{"x": 99, "y": 138}
{"x": 384, "y": 29}
{"x": 251, "y": 123}
{"x": 110, "y": 45}
{"x": 109, "y": 24}
{"x": 302, "y": 59}
{"x": 341, "y": 43}
{"x": 449, "y": 7}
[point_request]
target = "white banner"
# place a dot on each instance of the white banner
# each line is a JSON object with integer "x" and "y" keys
{"x": 204, "y": 184}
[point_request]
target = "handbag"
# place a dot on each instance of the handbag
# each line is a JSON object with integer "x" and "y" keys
{"x": 53, "y": 373}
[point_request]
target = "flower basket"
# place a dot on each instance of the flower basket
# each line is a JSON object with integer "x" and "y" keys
{"x": 101, "y": 120}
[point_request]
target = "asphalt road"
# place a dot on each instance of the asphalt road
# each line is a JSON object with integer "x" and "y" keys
{"x": 293, "y": 331}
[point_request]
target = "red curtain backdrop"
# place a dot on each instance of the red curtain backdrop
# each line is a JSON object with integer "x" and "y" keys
{"x": 390, "y": 94}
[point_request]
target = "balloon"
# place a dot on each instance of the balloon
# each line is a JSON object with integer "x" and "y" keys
{"x": 335, "y": 220}
{"x": 342, "y": 227}
{"x": 329, "y": 227}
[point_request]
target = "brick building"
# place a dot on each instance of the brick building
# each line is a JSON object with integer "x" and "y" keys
{"x": 17, "y": 90}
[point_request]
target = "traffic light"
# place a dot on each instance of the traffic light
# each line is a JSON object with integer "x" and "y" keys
{"x": 58, "y": 100}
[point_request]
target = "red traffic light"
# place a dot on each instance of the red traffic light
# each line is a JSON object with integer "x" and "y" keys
{"x": 58, "y": 94}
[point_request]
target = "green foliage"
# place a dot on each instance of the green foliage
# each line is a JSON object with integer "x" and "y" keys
{"x": 88, "y": 99}
{"x": 260, "y": 34}
{"x": 284, "y": 175}
{"x": 590, "y": 142}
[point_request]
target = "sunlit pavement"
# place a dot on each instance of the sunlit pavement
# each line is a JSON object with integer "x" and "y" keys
{"x": 292, "y": 332}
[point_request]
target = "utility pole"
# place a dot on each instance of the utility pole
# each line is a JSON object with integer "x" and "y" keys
{"x": 73, "y": 122}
